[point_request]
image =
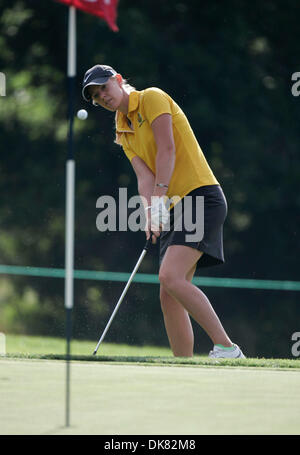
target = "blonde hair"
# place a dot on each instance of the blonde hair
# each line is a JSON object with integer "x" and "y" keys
{"x": 128, "y": 89}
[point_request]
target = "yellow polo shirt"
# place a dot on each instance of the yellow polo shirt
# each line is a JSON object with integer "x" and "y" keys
{"x": 191, "y": 169}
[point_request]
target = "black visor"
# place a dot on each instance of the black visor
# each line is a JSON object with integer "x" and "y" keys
{"x": 97, "y": 75}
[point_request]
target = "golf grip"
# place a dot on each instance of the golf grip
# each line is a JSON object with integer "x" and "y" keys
{"x": 146, "y": 248}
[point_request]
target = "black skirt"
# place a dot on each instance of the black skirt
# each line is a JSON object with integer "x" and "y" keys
{"x": 207, "y": 216}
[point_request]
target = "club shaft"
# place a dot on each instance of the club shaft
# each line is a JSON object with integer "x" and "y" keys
{"x": 121, "y": 298}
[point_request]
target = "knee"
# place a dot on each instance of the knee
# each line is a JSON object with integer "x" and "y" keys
{"x": 167, "y": 280}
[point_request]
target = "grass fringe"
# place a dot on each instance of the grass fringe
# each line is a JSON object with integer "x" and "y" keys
{"x": 168, "y": 361}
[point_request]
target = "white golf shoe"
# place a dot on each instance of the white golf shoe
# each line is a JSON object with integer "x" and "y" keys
{"x": 221, "y": 353}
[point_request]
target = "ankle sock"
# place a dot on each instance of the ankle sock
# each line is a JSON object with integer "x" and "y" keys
{"x": 226, "y": 349}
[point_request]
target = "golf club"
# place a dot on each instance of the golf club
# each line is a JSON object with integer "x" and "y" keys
{"x": 146, "y": 247}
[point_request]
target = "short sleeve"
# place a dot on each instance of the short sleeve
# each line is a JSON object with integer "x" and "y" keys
{"x": 156, "y": 103}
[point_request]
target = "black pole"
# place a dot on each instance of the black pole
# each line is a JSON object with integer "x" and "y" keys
{"x": 68, "y": 357}
{"x": 69, "y": 305}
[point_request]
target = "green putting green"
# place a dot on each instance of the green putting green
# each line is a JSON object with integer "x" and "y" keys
{"x": 130, "y": 399}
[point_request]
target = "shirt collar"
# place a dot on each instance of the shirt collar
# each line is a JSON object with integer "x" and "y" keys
{"x": 133, "y": 102}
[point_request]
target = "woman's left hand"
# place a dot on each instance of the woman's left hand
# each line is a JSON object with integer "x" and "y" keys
{"x": 157, "y": 217}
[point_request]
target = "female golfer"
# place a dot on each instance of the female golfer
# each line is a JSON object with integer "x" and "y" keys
{"x": 170, "y": 165}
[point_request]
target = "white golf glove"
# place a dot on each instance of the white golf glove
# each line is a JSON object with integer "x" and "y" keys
{"x": 159, "y": 213}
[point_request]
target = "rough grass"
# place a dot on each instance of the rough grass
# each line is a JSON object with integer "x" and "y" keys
{"x": 28, "y": 347}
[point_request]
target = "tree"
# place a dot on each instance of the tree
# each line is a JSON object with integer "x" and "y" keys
{"x": 230, "y": 70}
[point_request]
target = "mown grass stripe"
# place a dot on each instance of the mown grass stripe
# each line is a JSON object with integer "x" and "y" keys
{"x": 178, "y": 361}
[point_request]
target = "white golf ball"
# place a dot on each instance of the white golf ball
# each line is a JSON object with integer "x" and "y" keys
{"x": 82, "y": 114}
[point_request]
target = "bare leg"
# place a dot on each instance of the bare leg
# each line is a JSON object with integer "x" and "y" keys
{"x": 177, "y": 263}
{"x": 177, "y": 322}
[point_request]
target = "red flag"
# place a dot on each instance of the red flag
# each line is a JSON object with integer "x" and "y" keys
{"x": 106, "y": 9}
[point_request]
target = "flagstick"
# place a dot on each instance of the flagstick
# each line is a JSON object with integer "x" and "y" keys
{"x": 70, "y": 196}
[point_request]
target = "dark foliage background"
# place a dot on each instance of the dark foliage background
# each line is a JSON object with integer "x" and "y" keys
{"x": 229, "y": 65}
